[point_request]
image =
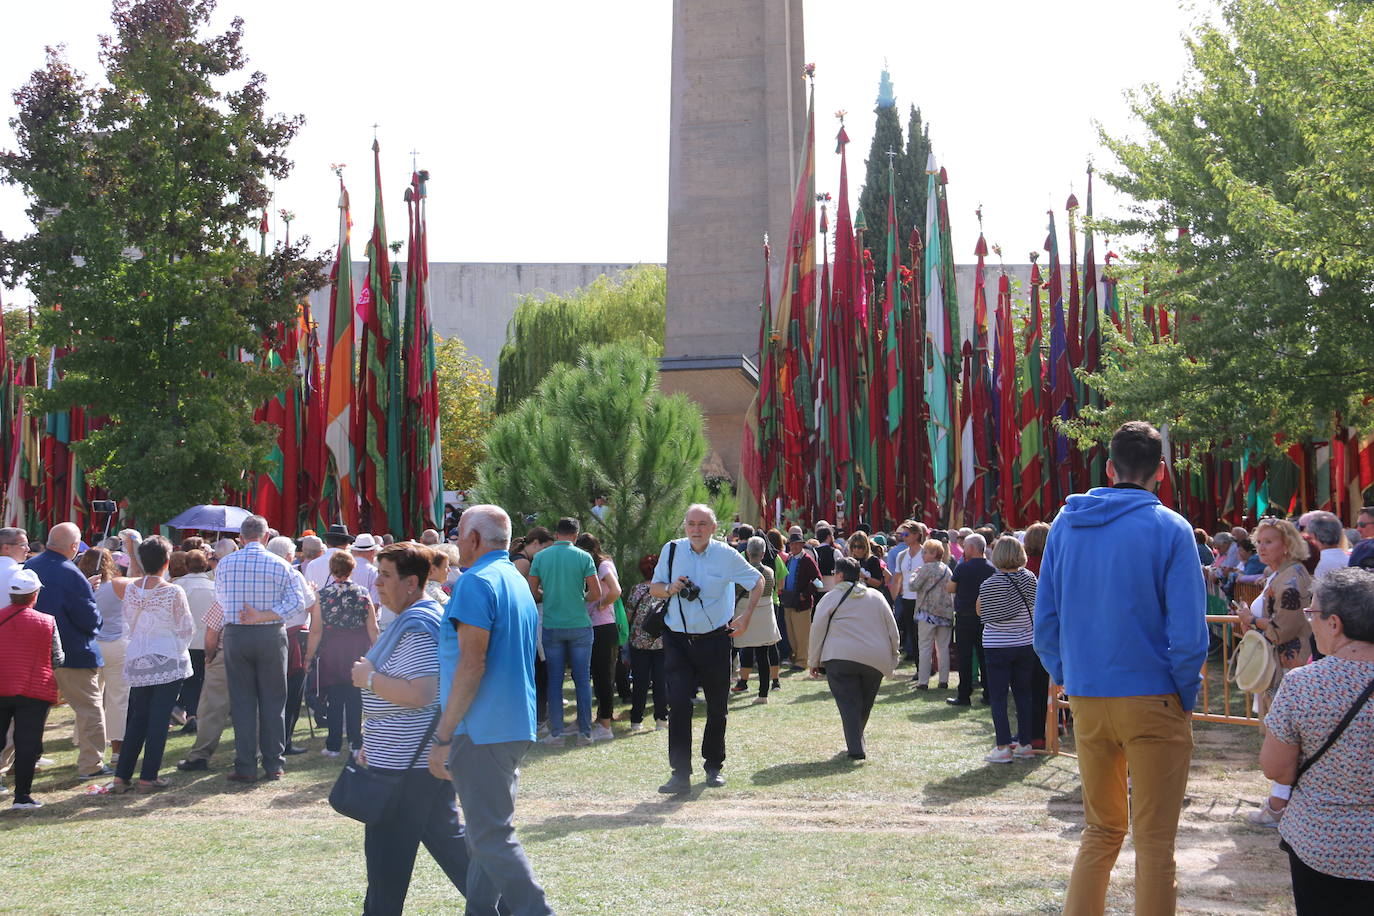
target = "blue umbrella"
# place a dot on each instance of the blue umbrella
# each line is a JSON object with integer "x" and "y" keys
{"x": 210, "y": 518}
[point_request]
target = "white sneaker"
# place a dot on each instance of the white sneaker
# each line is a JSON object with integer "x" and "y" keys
{"x": 999, "y": 755}
{"x": 1265, "y": 816}
{"x": 660, "y": 724}
{"x": 637, "y": 727}
{"x": 326, "y": 752}
{"x": 29, "y": 805}
{"x": 1022, "y": 751}
{"x": 602, "y": 733}
{"x": 45, "y": 762}
{"x": 584, "y": 740}
{"x": 552, "y": 740}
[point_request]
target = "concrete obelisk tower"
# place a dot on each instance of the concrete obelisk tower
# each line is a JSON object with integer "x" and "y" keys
{"x": 738, "y": 124}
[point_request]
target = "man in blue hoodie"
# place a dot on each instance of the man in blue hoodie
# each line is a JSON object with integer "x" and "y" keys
{"x": 1120, "y": 622}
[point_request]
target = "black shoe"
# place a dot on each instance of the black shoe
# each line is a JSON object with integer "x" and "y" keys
{"x": 190, "y": 727}
{"x": 740, "y": 687}
{"x": 943, "y": 686}
{"x": 99, "y": 774}
{"x": 292, "y": 750}
{"x": 189, "y": 766}
{"x": 859, "y": 756}
{"x": 986, "y": 701}
{"x": 958, "y": 701}
{"x": 714, "y": 779}
{"x": 777, "y": 685}
{"x": 922, "y": 686}
{"x": 677, "y": 785}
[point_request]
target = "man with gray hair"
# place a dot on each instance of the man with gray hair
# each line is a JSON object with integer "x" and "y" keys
{"x": 973, "y": 570}
{"x": 697, "y": 575}
{"x": 258, "y": 592}
{"x": 311, "y": 547}
{"x": 486, "y": 688}
{"x": 1328, "y": 532}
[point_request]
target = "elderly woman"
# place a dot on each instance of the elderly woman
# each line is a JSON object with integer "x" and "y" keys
{"x": 854, "y": 637}
{"x": 1328, "y": 826}
{"x": 1006, "y": 605}
{"x": 758, "y": 645}
{"x": 343, "y": 626}
{"x": 399, "y": 681}
{"x": 646, "y": 652}
{"x": 29, "y": 653}
{"x": 156, "y": 661}
{"x": 933, "y": 612}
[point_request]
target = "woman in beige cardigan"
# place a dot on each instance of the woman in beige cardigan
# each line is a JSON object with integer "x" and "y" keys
{"x": 854, "y": 637}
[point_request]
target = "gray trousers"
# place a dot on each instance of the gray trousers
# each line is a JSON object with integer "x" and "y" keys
{"x": 486, "y": 777}
{"x": 255, "y": 663}
{"x": 854, "y": 686}
{"x": 213, "y": 714}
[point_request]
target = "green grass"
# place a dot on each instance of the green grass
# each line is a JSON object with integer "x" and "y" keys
{"x": 923, "y": 826}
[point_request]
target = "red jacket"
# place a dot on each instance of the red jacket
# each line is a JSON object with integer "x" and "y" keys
{"x": 26, "y": 654}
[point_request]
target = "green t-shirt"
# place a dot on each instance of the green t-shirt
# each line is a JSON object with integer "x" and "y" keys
{"x": 562, "y": 570}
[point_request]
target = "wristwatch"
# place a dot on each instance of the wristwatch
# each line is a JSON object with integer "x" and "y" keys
{"x": 370, "y": 676}
{"x": 445, "y": 743}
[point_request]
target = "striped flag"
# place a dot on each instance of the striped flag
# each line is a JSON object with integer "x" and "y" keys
{"x": 1092, "y": 338}
{"x": 376, "y": 462}
{"x": 1004, "y": 373}
{"x": 424, "y": 465}
{"x": 338, "y": 375}
{"x": 941, "y": 368}
{"x": 1032, "y": 464}
{"x": 1061, "y": 381}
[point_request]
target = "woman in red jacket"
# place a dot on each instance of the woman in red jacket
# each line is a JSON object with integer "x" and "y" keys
{"x": 29, "y": 651}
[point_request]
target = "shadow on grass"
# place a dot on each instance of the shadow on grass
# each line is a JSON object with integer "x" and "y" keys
{"x": 649, "y": 813}
{"x": 980, "y": 782}
{"x": 786, "y": 772}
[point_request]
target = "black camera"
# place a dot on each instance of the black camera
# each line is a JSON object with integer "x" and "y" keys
{"x": 104, "y": 505}
{"x": 690, "y": 590}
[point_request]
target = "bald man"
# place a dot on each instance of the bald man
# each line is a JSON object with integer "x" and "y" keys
{"x": 67, "y": 597}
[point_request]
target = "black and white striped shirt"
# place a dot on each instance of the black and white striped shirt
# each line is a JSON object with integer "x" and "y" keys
{"x": 391, "y": 732}
{"x": 1006, "y": 604}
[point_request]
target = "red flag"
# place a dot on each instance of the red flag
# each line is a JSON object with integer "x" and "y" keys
{"x": 1008, "y": 435}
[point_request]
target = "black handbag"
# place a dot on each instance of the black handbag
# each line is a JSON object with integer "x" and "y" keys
{"x": 364, "y": 794}
{"x": 656, "y": 621}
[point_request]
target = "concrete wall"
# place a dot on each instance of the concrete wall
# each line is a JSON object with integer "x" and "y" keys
{"x": 477, "y": 301}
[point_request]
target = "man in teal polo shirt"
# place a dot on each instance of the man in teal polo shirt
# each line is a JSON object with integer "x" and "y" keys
{"x": 564, "y": 578}
{"x": 486, "y": 659}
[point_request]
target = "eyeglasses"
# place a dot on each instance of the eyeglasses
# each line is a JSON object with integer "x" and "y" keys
{"x": 1364, "y": 524}
{"x": 1313, "y": 615}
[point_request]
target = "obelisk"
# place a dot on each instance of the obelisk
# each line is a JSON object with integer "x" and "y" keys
{"x": 738, "y": 114}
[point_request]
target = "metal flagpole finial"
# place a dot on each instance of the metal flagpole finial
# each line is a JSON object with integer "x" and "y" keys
{"x": 414, "y": 158}
{"x": 891, "y": 155}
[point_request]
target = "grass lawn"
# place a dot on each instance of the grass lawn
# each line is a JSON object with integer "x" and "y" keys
{"x": 923, "y": 826}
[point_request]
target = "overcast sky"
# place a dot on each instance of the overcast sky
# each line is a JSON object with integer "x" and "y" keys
{"x": 545, "y": 124}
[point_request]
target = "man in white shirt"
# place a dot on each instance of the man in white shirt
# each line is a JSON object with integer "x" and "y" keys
{"x": 1328, "y": 531}
{"x": 365, "y": 548}
{"x": 317, "y": 570}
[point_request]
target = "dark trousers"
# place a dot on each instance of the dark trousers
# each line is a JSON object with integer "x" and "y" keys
{"x": 486, "y": 777}
{"x": 605, "y": 653}
{"x": 646, "y": 666}
{"x": 255, "y": 667}
{"x": 764, "y": 659}
{"x": 906, "y": 627}
{"x": 189, "y": 698}
{"x": 968, "y": 636}
{"x": 541, "y": 689}
{"x": 422, "y": 810}
{"x": 854, "y": 686}
{"x": 344, "y": 711}
{"x": 295, "y": 692}
{"x": 145, "y": 729}
{"x": 784, "y": 646}
{"x": 28, "y": 717}
{"x": 689, "y": 662}
{"x": 1013, "y": 668}
{"x": 1040, "y": 699}
{"x": 1319, "y": 894}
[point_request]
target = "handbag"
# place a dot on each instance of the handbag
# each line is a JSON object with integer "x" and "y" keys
{"x": 363, "y": 793}
{"x": 1255, "y": 663}
{"x": 622, "y": 623}
{"x": 656, "y": 621}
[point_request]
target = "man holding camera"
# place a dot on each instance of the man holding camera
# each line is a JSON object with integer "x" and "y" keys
{"x": 698, "y": 575}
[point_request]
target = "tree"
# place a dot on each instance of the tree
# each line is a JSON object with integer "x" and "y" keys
{"x": 909, "y": 168}
{"x": 551, "y": 330}
{"x": 142, "y": 192}
{"x": 602, "y": 427}
{"x": 465, "y": 411}
{"x": 1253, "y": 194}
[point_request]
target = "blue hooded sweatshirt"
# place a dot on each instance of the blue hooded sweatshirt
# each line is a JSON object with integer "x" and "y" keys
{"x": 1121, "y": 605}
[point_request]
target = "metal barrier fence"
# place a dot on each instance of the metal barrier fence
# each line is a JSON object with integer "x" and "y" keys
{"x": 1218, "y": 701}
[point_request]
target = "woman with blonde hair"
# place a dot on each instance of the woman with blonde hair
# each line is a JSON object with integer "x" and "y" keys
{"x": 874, "y": 573}
{"x": 933, "y": 614}
{"x": 1006, "y": 605}
{"x": 1279, "y": 614}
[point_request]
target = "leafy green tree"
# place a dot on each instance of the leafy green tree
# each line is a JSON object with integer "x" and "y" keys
{"x": 602, "y": 427}
{"x": 551, "y": 330}
{"x": 142, "y": 191}
{"x": 465, "y": 411}
{"x": 1264, "y": 157}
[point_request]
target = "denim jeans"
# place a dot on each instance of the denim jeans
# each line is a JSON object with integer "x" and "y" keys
{"x": 571, "y": 647}
{"x": 1011, "y": 668}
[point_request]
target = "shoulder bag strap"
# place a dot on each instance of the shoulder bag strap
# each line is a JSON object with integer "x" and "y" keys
{"x": 1336, "y": 733}
{"x": 429, "y": 733}
{"x": 681, "y": 611}
{"x": 835, "y": 610}
{"x": 1020, "y": 594}
{"x": 11, "y": 617}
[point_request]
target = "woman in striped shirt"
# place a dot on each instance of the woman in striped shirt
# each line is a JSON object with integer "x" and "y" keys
{"x": 1006, "y": 604}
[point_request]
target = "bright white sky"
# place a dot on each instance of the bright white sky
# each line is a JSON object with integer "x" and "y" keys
{"x": 545, "y": 124}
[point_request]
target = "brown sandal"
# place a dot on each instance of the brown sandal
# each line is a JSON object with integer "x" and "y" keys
{"x": 120, "y": 786}
{"x": 161, "y": 782}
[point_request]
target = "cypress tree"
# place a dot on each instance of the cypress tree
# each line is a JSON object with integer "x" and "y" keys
{"x": 911, "y": 176}
{"x": 910, "y": 179}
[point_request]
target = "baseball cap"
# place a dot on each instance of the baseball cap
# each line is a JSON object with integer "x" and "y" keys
{"x": 24, "y": 582}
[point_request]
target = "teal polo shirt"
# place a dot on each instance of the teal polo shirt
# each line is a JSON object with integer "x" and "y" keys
{"x": 562, "y": 570}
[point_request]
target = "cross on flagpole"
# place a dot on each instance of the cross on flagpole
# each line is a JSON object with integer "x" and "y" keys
{"x": 414, "y": 157}
{"x": 891, "y": 155}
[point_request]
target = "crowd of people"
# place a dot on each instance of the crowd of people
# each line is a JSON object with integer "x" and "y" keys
{"x": 443, "y": 662}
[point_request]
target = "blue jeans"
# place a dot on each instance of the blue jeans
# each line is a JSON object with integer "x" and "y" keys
{"x": 562, "y": 648}
{"x": 1012, "y": 667}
